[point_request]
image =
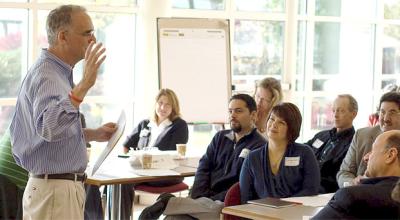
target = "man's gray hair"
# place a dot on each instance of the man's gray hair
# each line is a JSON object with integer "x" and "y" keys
{"x": 58, "y": 19}
{"x": 353, "y": 105}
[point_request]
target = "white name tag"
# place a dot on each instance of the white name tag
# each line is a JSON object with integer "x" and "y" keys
{"x": 244, "y": 153}
{"x": 144, "y": 133}
{"x": 292, "y": 161}
{"x": 317, "y": 143}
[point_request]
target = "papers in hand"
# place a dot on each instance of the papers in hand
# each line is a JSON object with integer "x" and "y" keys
{"x": 273, "y": 202}
{"x": 112, "y": 142}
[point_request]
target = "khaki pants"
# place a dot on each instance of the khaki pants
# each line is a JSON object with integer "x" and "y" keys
{"x": 53, "y": 199}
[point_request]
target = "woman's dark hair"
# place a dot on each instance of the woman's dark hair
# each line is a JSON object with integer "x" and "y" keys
{"x": 292, "y": 116}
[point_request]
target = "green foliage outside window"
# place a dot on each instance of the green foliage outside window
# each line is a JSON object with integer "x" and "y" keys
{"x": 10, "y": 72}
{"x": 392, "y": 11}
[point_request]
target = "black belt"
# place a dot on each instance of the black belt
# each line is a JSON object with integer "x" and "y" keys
{"x": 62, "y": 176}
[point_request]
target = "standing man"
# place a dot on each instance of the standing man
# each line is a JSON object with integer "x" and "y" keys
{"x": 219, "y": 168}
{"x": 371, "y": 199}
{"x": 46, "y": 132}
{"x": 354, "y": 164}
{"x": 330, "y": 146}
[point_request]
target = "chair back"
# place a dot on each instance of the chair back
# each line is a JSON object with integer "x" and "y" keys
{"x": 232, "y": 198}
{"x": 162, "y": 189}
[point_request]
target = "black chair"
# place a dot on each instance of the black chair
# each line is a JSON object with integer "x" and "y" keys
{"x": 10, "y": 199}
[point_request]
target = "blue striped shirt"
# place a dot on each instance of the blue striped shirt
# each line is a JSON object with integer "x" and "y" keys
{"x": 46, "y": 132}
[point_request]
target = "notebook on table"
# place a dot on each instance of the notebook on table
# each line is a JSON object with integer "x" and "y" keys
{"x": 273, "y": 202}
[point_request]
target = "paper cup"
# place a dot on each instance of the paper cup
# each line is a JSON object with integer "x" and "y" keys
{"x": 181, "y": 148}
{"x": 146, "y": 161}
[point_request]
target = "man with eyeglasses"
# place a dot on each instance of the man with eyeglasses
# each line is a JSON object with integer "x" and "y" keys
{"x": 372, "y": 198}
{"x": 46, "y": 131}
{"x": 330, "y": 146}
{"x": 354, "y": 164}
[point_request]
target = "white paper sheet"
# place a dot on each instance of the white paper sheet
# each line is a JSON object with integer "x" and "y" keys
{"x": 314, "y": 201}
{"x": 112, "y": 142}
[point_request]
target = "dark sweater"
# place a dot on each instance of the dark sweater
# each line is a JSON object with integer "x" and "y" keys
{"x": 219, "y": 168}
{"x": 330, "y": 148}
{"x": 369, "y": 200}
{"x": 298, "y": 174}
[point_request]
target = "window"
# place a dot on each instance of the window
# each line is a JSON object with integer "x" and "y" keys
{"x": 13, "y": 59}
{"x": 199, "y": 4}
{"x": 338, "y": 51}
{"x": 261, "y": 5}
{"x": 115, "y": 78}
{"x": 257, "y": 52}
{"x": 391, "y": 55}
{"x": 392, "y": 9}
{"x": 93, "y": 2}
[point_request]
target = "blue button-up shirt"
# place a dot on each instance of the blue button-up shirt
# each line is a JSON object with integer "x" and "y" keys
{"x": 46, "y": 131}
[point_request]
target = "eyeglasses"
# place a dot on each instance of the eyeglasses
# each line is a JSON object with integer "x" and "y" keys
{"x": 261, "y": 99}
{"x": 88, "y": 33}
{"x": 390, "y": 113}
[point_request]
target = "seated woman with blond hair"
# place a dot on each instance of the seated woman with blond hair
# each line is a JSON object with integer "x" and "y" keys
{"x": 267, "y": 94}
{"x": 163, "y": 131}
{"x": 282, "y": 168}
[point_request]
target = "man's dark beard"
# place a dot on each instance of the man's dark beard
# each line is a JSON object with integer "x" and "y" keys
{"x": 237, "y": 129}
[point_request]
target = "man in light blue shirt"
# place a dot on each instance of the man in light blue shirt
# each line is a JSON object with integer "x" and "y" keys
{"x": 46, "y": 132}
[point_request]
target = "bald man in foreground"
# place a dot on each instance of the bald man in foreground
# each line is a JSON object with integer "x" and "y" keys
{"x": 372, "y": 198}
